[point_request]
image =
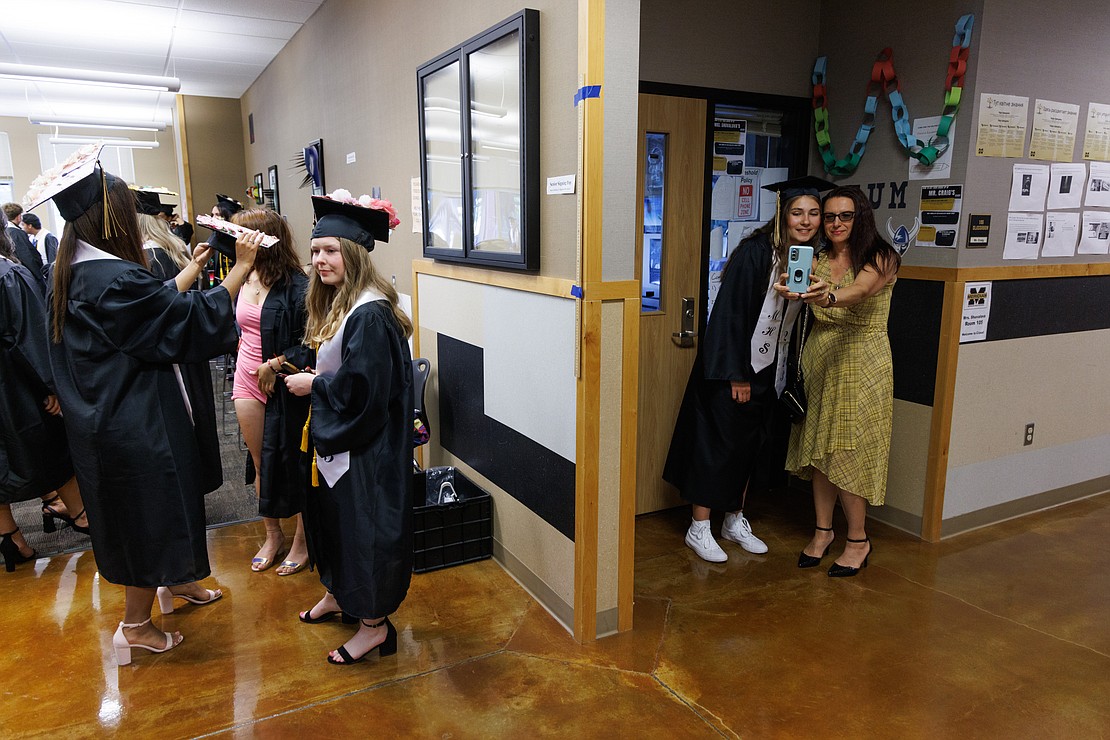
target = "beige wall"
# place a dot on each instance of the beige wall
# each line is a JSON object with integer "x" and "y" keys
{"x": 214, "y": 143}
{"x": 154, "y": 167}
{"x": 766, "y": 46}
{"x": 349, "y": 77}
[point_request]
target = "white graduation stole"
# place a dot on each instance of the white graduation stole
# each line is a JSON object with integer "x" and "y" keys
{"x": 771, "y": 339}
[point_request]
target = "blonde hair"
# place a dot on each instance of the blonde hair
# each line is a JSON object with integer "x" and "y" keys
{"x": 154, "y": 229}
{"x": 328, "y": 305}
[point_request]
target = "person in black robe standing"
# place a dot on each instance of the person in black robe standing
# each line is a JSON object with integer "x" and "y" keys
{"x": 271, "y": 315}
{"x": 34, "y": 452}
{"x": 117, "y": 333}
{"x": 359, "y": 518}
{"x": 738, "y": 374}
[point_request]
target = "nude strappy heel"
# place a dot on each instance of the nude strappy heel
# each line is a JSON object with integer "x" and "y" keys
{"x": 123, "y": 647}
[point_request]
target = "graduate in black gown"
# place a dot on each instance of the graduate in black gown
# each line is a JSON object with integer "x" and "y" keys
{"x": 738, "y": 374}
{"x": 359, "y": 517}
{"x": 117, "y": 333}
{"x": 168, "y": 260}
{"x": 34, "y": 452}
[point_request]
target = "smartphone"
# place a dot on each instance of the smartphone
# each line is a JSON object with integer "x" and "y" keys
{"x": 290, "y": 368}
{"x": 799, "y": 263}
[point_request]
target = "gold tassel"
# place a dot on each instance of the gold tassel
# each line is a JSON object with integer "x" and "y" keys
{"x": 776, "y": 238}
{"x": 304, "y": 433}
{"x": 315, "y": 470}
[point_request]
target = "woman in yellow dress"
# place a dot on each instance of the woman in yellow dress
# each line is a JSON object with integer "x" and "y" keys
{"x": 843, "y": 444}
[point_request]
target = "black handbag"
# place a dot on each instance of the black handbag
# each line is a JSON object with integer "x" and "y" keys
{"x": 793, "y": 396}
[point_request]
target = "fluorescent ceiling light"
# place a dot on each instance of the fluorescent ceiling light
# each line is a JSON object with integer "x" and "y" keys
{"x": 112, "y": 123}
{"x": 118, "y": 143}
{"x": 36, "y": 73}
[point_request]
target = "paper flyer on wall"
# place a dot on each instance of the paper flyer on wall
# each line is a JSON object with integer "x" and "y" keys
{"x": 1023, "y": 236}
{"x": 1095, "y": 238}
{"x": 1029, "y": 187}
{"x": 729, "y": 136}
{"x": 1096, "y": 141}
{"x": 1066, "y": 183}
{"x": 1061, "y": 233}
{"x": 417, "y": 200}
{"x": 1097, "y": 194}
{"x": 923, "y": 130}
{"x": 976, "y": 313}
{"x": 1054, "y": 127}
{"x": 940, "y": 215}
{"x": 1002, "y": 123}
{"x": 767, "y": 200}
{"x": 735, "y": 197}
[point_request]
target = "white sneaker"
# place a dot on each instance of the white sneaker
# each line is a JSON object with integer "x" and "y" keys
{"x": 736, "y": 529}
{"x": 700, "y": 539}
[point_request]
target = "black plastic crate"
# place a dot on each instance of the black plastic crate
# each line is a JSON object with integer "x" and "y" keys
{"x": 453, "y": 533}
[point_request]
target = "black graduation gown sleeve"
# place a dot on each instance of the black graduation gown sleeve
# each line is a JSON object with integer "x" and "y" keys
{"x": 134, "y": 450}
{"x": 717, "y": 442}
{"x": 360, "y": 530}
{"x": 282, "y": 326}
{"x": 34, "y": 453}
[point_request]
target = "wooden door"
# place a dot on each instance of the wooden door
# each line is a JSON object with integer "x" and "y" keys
{"x": 675, "y": 156}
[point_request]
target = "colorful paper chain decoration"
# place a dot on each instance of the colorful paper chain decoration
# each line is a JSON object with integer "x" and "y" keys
{"x": 883, "y": 78}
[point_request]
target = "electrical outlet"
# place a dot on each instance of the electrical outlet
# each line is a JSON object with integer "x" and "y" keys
{"x": 1028, "y": 434}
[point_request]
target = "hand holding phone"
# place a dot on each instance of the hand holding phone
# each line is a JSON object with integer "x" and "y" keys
{"x": 799, "y": 265}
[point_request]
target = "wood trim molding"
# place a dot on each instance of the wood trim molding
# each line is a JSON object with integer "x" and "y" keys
{"x": 182, "y": 133}
{"x": 940, "y": 431}
{"x": 587, "y": 475}
{"x": 1003, "y": 272}
{"x": 614, "y": 290}
{"x": 558, "y": 287}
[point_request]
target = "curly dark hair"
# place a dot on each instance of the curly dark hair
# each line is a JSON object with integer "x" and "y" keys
{"x": 865, "y": 246}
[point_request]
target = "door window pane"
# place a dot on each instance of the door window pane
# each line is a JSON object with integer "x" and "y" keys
{"x": 443, "y": 142}
{"x": 655, "y": 165}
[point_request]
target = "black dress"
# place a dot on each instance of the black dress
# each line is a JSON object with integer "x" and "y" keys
{"x": 717, "y": 443}
{"x": 134, "y": 449}
{"x": 197, "y": 377}
{"x": 282, "y": 325}
{"x": 34, "y": 453}
{"x": 359, "y": 527}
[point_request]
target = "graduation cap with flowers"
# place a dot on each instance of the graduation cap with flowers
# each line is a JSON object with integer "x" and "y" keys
{"x": 362, "y": 220}
{"x": 75, "y": 186}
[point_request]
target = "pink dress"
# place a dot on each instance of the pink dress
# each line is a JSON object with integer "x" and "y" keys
{"x": 249, "y": 318}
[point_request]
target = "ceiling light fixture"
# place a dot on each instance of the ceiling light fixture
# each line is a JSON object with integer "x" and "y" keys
{"x": 118, "y": 143}
{"x": 36, "y": 73}
{"x": 112, "y": 123}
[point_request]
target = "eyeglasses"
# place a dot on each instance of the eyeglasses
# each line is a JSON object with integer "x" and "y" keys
{"x": 845, "y": 217}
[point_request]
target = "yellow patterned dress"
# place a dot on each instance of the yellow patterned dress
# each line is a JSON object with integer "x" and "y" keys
{"x": 849, "y": 383}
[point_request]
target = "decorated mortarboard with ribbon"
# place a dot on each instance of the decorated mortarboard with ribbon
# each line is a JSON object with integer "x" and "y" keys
{"x": 363, "y": 220}
{"x": 225, "y": 233}
{"x": 236, "y": 206}
{"x": 807, "y": 185}
{"x": 75, "y": 186}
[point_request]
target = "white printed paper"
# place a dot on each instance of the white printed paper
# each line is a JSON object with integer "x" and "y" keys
{"x": 923, "y": 130}
{"x": 1066, "y": 184}
{"x": 977, "y": 312}
{"x": 560, "y": 185}
{"x": 1098, "y": 186}
{"x": 1095, "y": 238}
{"x": 417, "y": 205}
{"x": 1029, "y": 187}
{"x": 1002, "y": 125}
{"x": 1061, "y": 233}
{"x": 1023, "y": 236}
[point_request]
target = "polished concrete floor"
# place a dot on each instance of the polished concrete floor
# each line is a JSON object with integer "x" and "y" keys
{"x": 999, "y": 633}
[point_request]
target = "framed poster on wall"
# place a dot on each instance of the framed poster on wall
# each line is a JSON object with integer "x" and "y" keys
{"x": 256, "y": 191}
{"x": 272, "y": 192}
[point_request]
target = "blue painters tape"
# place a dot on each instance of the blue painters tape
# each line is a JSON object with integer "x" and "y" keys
{"x": 576, "y": 291}
{"x": 588, "y": 91}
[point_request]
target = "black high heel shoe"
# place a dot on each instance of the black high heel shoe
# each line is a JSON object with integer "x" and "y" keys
{"x": 49, "y": 515}
{"x": 11, "y": 553}
{"x": 847, "y": 571}
{"x": 388, "y": 646}
{"x": 307, "y": 617}
{"x": 809, "y": 561}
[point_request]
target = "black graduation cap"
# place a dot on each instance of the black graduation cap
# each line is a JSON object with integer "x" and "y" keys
{"x": 223, "y": 243}
{"x": 360, "y": 224}
{"x": 236, "y": 206}
{"x": 148, "y": 202}
{"x": 808, "y": 185}
{"x": 75, "y": 186}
